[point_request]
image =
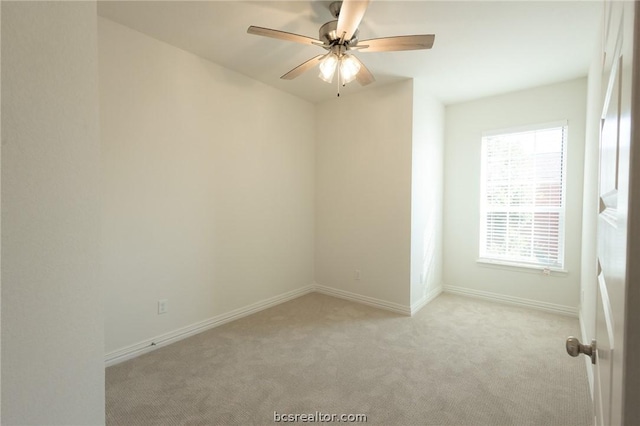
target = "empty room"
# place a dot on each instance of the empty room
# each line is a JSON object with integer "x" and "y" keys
{"x": 264, "y": 212}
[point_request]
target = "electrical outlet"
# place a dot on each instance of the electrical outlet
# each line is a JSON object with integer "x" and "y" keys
{"x": 357, "y": 274}
{"x": 163, "y": 306}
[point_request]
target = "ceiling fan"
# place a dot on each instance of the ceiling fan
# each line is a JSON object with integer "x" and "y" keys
{"x": 339, "y": 37}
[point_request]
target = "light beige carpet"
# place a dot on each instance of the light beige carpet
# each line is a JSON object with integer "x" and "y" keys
{"x": 459, "y": 361}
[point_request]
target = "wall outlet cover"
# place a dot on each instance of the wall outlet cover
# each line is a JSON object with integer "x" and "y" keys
{"x": 163, "y": 306}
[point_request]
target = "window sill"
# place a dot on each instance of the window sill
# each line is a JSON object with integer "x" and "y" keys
{"x": 522, "y": 267}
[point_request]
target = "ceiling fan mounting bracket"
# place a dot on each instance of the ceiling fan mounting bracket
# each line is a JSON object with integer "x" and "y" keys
{"x": 334, "y": 8}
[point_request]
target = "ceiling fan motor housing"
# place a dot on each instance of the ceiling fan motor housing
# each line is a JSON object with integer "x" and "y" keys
{"x": 328, "y": 34}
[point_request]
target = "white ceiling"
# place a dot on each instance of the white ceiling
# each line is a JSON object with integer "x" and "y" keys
{"x": 481, "y": 48}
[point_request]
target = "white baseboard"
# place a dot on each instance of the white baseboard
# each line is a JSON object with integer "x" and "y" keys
{"x": 148, "y": 345}
{"x": 586, "y": 340}
{"x": 366, "y": 300}
{"x": 431, "y": 294}
{"x": 518, "y": 301}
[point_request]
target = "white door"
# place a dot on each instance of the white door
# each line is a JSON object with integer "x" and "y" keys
{"x": 611, "y": 396}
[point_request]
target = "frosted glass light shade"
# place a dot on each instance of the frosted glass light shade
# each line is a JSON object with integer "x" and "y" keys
{"x": 328, "y": 67}
{"x": 349, "y": 68}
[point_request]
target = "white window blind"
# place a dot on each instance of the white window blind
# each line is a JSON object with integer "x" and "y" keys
{"x": 523, "y": 196}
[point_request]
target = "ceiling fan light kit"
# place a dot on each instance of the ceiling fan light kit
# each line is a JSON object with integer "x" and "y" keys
{"x": 338, "y": 37}
{"x": 349, "y": 67}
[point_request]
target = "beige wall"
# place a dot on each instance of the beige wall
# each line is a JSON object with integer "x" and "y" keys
{"x": 363, "y": 193}
{"x": 427, "y": 157}
{"x": 207, "y": 188}
{"x": 52, "y": 321}
{"x": 464, "y": 126}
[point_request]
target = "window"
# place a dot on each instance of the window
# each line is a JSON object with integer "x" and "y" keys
{"x": 523, "y": 196}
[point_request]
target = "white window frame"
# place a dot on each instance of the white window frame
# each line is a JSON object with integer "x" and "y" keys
{"x": 485, "y": 257}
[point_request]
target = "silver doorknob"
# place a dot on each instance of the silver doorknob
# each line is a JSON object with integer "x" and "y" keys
{"x": 575, "y": 348}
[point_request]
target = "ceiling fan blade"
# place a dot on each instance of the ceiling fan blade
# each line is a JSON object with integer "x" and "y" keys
{"x": 283, "y": 35}
{"x": 364, "y": 76}
{"x": 303, "y": 67}
{"x": 351, "y": 13}
{"x": 390, "y": 44}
